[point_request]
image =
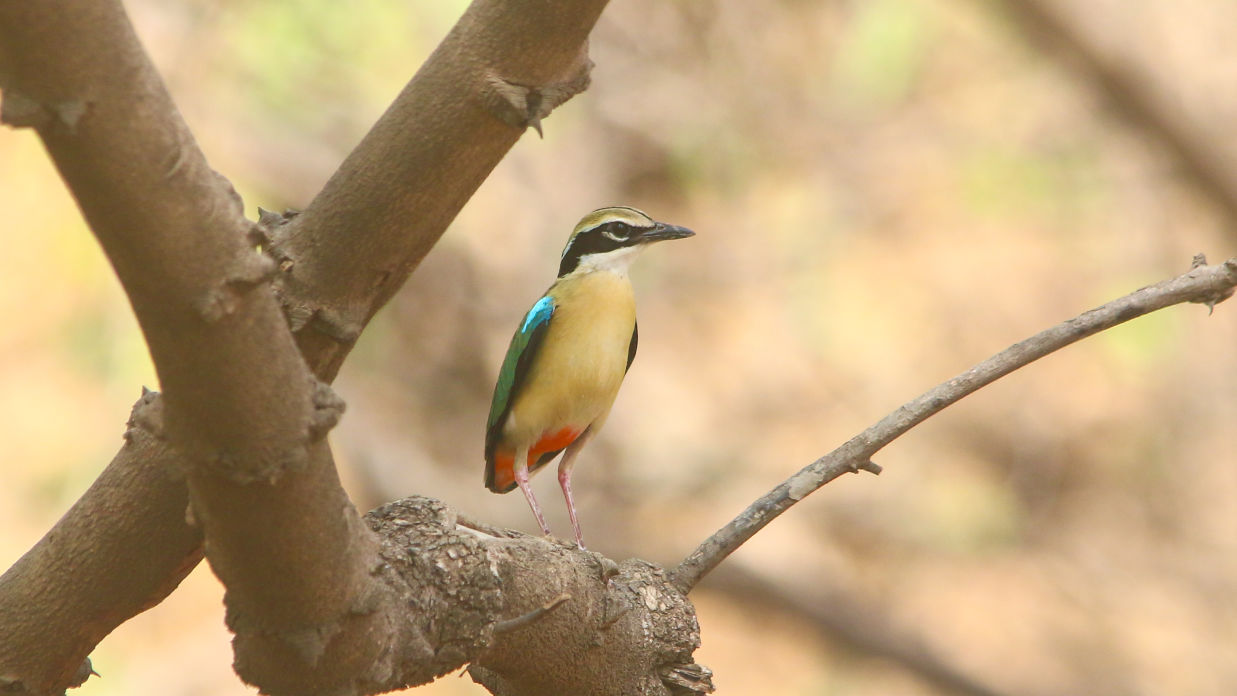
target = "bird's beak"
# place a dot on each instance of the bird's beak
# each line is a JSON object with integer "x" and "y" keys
{"x": 661, "y": 232}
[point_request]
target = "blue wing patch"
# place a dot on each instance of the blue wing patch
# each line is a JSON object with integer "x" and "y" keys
{"x": 539, "y": 314}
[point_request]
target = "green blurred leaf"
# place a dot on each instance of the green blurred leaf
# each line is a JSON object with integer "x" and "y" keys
{"x": 883, "y": 53}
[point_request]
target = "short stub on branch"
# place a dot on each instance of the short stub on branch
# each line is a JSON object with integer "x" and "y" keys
{"x": 1214, "y": 298}
{"x": 524, "y": 105}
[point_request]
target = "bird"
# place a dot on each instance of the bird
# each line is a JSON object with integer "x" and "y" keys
{"x": 569, "y": 355}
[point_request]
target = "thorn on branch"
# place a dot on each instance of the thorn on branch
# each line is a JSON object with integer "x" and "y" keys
{"x": 1212, "y": 300}
{"x": 1215, "y": 298}
{"x": 146, "y": 416}
{"x": 511, "y": 624}
{"x": 267, "y": 232}
{"x": 518, "y": 105}
{"x": 272, "y": 220}
{"x": 84, "y": 672}
{"x": 524, "y": 106}
{"x": 532, "y": 111}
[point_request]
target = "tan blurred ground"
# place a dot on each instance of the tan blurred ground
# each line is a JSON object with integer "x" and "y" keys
{"x": 885, "y": 193}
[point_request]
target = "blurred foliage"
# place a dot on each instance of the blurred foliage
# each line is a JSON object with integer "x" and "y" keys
{"x": 879, "y": 58}
{"x": 885, "y": 193}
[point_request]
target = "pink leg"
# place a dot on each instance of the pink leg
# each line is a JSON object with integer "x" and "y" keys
{"x": 564, "y": 479}
{"x": 521, "y": 480}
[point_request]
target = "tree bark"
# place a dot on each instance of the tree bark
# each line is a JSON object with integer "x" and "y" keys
{"x": 315, "y": 596}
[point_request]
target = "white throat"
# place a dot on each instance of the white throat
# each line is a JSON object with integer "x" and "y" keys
{"x": 616, "y": 261}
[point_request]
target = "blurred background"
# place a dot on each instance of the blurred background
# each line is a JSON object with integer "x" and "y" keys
{"x": 885, "y": 192}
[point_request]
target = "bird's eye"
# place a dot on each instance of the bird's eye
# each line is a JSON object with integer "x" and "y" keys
{"x": 618, "y": 231}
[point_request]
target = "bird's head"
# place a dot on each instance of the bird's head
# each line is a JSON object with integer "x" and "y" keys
{"x": 610, "y": 238}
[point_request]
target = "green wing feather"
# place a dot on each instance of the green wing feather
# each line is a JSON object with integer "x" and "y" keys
{"x": 524, "y": 346}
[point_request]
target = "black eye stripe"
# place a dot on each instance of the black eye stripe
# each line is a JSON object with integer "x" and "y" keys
{"x": 600, "y": 239}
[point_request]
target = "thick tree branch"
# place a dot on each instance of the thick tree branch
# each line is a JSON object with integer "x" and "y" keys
{"x": 623, "y": 630}
{"x": 503, "y": 67}
{"x": 517, "y": 60}
{"x": 239, "y": 404}
{"x": 107, "y": 559}
{"x": 76, "y": 74}
{"x": 1202, "y": 284}
{"x": 359, "y": 240}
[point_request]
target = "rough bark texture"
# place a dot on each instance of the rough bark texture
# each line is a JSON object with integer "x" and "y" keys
{"x": 481, "y": 597}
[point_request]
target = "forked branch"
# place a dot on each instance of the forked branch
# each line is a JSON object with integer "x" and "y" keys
{"x": 1202, "y": 284}
{"x": 174, "y": 231}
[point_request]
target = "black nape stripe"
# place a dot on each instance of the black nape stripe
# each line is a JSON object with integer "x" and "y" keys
{"x": 595, "y": 241}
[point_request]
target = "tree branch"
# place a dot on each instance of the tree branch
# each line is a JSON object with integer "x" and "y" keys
{"x": 239, "y": 404}
{"x": 497, "y": 603}
{"x": 1202, "y": 284}
{"x": 503, "y": 67}
{"x": 98, "y": 568}
{"x": 77, "y": 74}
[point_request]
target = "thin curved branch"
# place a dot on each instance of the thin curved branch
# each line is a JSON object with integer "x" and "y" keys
{"x": 1202, "y": 284}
